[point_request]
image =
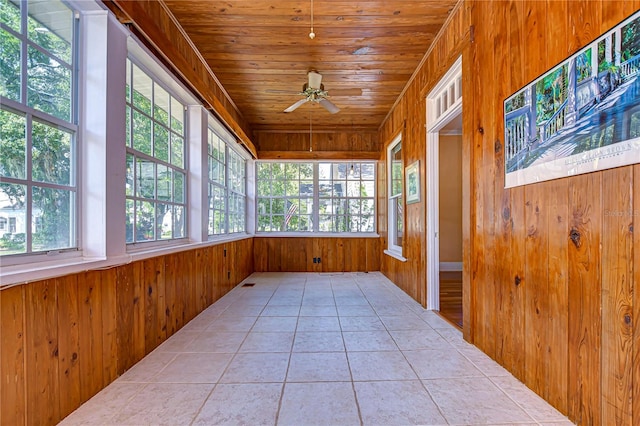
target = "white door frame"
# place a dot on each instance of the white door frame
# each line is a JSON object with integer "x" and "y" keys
{"x": 444, "y": 103}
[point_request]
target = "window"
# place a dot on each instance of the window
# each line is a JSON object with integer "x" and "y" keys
{"x": 227, "y": 183}
{"x": 38, "y": 126}
{"x": 155, "y": 183}
{"x": 396, "y": 202}
{"x": 315, "y": 197}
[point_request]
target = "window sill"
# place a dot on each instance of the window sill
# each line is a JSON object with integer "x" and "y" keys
{"x": 36, "y": 271}
{"x": 316, "y": 235}
{"x": 395, "y": 255}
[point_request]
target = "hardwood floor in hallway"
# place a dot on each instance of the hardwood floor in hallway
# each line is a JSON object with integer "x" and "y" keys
{"x": 316, "y": 349}
{"x": 451, "y": 296}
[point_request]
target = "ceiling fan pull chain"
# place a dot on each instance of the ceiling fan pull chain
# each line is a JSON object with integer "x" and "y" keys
{"x": 312, "y": 35}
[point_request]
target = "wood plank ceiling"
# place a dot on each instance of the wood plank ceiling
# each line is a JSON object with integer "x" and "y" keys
{"x": 261, "y": 51}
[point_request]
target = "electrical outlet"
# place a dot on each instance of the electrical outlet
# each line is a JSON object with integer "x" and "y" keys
{"x": 319, "y": 260}
{"x": 315, "y": 260}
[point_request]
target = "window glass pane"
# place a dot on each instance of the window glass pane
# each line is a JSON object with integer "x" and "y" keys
{"x": 49, "y": 85}
{"x": 178, "y": 187}
{"x": 129, "y": 176}
{"x": 50, "y": 25}
{"x": 13, "y": 146}
{"x": 177, "y": 150}
{"x": 161, "y": 143}
{"x": 164, "y": 221}
{"x": 264, "y": 172}
{"x": 145, "y": 175}
{"x": 164, "y": 183}
{"x": 10, "y": 62}
{"x": 52, "y": 212}
{"x": 10, "y": 14}
{"x": 142, "y": 90}
{"x": 128, "y": 84}
{"x": 396, "y": 170}
{"x": 145, "y": 215}
{"x": 127, "y": 124}
{"x": 141, "y": 133}
{"x": 130, "y": 220}
{"x": 52, "y": 154}
{"x": 160, "y": 105}
{"x": 177, "y": 116}
{"x": 13, "y": 211}
{"x": 178, "y": 222}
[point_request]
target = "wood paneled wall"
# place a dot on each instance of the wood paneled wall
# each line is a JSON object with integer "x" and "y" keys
{"x": 408, "y": 117}
{"x": 551, "y": 269}
{"x": 326, "y": 145}
{"x": 64, "y": 339}
{"x": 290, "y": 254}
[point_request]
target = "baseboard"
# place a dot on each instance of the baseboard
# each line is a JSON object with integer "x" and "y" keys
{"x": 451, "y": 266}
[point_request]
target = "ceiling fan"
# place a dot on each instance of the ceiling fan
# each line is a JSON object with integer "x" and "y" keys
{"x": 313, "y": 91}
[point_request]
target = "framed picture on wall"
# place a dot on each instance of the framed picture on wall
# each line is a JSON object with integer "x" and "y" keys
{"x": 581, "y": 116}
{"x": 412, "y": 176}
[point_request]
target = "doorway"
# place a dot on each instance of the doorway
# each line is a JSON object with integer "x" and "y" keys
{"x": 444, "y": 196}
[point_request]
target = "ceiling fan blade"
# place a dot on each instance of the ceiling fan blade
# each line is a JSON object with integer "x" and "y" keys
{"x": 315, "y": 80}
{"x": 329, "y": 106}
{"x": 346, "y": 92}
{"x": 296, "y": 105}
{"x": 282, "y": 92}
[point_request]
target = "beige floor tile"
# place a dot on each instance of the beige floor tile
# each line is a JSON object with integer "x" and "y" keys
{"x": 361, "y": 324}
{"x": 275, "y": 324}
{"x": 320, "y": 404}
{"x": 267, "y": 342}
{"x": 318, "y": 324}
{"x": 441, "y": 363}
{"x": 396, "y": 403}
{"x": 418, "y": 339}
{"x": 164, "y": 404}
{"x": 101, "y": 409}
{"x": 380, "y": 366}
{"x": 194, "y": 368}
{"x": 217, "y": 341}
{"x": 318, "y": 367}
{"x": 241, "y": 404}
{"x": 318, "y": 341}
{"x": 369, "y": 341}
{"x": 474, "y": 400}
{"x": 257, "y": 368}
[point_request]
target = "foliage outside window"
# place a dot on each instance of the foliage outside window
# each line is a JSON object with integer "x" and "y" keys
{"x": 396, "y": 202}
{"x": 156, "y": 173}
{"x": 38, "y": 163}
{"x": 315, "y": 197}
{"x": 227, "y": 182}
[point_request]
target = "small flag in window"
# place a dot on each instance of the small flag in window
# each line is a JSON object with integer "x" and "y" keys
{"x": 292, "y": 208}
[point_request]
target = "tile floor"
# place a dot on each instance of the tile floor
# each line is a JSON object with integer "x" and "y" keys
{"x": 316, "y": 349}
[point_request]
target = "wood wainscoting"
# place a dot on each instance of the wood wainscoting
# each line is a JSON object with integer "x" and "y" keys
{"x": 296, "y": 254}
{"x": 64, "y": 339}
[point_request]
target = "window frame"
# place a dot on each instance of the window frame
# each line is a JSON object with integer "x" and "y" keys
{"x": 157, "y": 79}
{"x": 231, "y": 155}
{"x": 393, "y": 248}
{"x": 314, "y": 215}
{"x": 32, "y": 114}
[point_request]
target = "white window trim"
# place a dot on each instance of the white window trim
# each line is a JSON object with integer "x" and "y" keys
{"x": 392, "y": 250}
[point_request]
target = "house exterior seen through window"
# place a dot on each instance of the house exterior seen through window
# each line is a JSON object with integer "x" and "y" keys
{"x": 331, "y": 197}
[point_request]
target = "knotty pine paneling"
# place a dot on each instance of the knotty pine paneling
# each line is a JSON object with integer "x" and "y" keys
{"x": 66, "y": 338}
{"x": 550, "y": 272}
{"x": 326, "y": 145}
{"x": 408, "y": 117}
{"x": 295, "y": 254}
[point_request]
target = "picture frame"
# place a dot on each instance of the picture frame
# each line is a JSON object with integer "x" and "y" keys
{"x": 580, "y": 116}
{"x": 412, "y": 182}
